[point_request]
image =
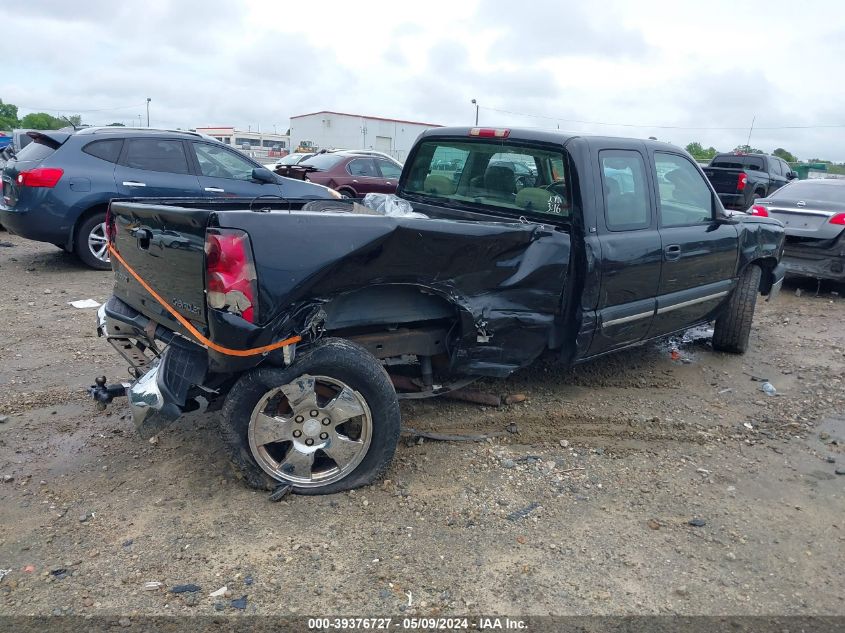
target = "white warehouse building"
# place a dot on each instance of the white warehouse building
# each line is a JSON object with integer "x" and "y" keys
{"x": 337, "y": 130}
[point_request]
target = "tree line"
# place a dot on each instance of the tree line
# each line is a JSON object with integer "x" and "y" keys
{"x": 700, "y": 153}
{"x": 36, "y": 120}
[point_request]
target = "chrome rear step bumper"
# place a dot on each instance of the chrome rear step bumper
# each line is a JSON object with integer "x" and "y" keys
{"x": 164, "y": 379}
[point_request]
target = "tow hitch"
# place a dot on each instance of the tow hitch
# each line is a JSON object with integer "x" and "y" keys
{"x": 103, "y": 394}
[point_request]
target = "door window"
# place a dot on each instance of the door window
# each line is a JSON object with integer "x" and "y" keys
{"x": 362, "y": 167}
{"x": 684, "y": 195}
{"x": 388, "y": 169}
{"x": 626, "y": 202}
{"x": 157, "y": 155}
{"x": 218, "y": 162}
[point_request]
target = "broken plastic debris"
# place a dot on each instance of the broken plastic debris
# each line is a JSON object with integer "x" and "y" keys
{"x": 3, "y": 573}
{"x": 152, "y": 585}
{"x": 84, "y": 303}
{"x": 748, "y": 425}
{"x": 391, "y": 205}
{"x": 219, "y": 593}
{"x": 768, "y": 388}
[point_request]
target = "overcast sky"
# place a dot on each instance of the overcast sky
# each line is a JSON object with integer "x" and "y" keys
{"x": 570, "y": 65}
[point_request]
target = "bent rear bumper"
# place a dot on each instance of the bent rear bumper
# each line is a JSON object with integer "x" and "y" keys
{"x": 823, "y": 259}
{"x": 160, "y": 395}
{"x": 151, "y": 409}
{"x": 778, "y": 275}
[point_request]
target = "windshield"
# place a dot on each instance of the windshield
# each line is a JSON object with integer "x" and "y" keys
{"x": 290, "y": 159}
{"x": 829, "y": 191}
{"x": 323, "y": 162}
{"x": 499, "y": 174}
{"x": 739, "y": 162}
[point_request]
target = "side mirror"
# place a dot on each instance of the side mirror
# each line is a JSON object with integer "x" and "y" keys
{"x": 791, "y": 175}
{"x": 264, "y": 175}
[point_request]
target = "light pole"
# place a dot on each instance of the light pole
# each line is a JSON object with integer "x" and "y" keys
{"x": 475, "y": 103}
{"x": 148, "y": 111}
{"x": 139, "y": 120}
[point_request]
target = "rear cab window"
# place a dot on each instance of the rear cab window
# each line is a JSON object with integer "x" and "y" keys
{"x": 737, "y": 161}
{"x": 512, "y": 176}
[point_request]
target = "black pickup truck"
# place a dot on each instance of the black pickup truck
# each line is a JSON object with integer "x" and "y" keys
{"x": 740, "y": 179}
{"x": 290, "y": 314}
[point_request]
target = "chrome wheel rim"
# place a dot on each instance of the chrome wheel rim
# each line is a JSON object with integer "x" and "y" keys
{"x": 98, "y": 243}
{"x": 311, "y": 432}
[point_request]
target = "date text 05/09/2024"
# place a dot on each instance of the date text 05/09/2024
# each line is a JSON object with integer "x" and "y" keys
{"x": 417, "y": 624}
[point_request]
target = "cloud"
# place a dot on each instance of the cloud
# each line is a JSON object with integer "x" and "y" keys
{"x": 544, "y": 29}
{"x": 257, "y": 62}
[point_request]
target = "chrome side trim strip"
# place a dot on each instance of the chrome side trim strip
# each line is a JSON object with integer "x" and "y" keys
{"x": 691, "y": 302}
{"x": 627, "y": 319}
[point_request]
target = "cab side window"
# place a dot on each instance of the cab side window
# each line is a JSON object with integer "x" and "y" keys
{"x": 684, "y": 196}
{"x": 626, "y": 204}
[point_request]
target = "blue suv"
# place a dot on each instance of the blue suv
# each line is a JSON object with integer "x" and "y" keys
{"x": 57, "y": 189}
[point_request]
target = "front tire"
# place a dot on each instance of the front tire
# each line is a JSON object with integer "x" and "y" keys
{"x": 91, "y": 242}
{"x": 328, "y": 423}
{"x": 733, "y": 327}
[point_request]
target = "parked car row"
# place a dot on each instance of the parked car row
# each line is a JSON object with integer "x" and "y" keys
{"x": 58, "y": 187}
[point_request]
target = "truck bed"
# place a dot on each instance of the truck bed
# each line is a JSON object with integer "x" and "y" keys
{"x": 497, "y": 282}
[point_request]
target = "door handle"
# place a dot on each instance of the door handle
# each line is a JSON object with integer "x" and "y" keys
{"x": 215, "y": 189}
{"x": 354, "y": 181}
{"x": 672, "y": 252}
{"x": 133, "y": 183}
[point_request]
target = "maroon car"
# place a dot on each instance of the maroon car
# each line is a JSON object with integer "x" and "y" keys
{"x": 353, "y": 175}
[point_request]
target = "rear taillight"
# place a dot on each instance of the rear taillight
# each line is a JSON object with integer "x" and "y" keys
{"x": 839, "y": 218}
{"x": 759, "y": 210}
{"x": 46, "y": 177}
{"x": 111, "y": 228}
{"x": 230, "y": 273}
{"x": 489, "y": 132}
{"x": 741, "y": 181}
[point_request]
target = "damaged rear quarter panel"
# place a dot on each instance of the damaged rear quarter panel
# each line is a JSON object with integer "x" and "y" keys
{"x": 503, "y": 278}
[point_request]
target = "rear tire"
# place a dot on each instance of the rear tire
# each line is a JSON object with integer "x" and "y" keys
{"x": 338, "y": 457}
{"x": 90, "y": 242}
{"x": 733, "y": 327}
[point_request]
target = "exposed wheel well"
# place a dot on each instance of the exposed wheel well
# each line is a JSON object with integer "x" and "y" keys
{"x": 767, "y": 264}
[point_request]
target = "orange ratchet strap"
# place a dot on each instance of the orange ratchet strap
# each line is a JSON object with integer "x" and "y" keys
{"x": 187, "y": 325}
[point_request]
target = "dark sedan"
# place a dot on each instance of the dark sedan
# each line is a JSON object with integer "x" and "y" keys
{"x": 813, "y": 216}
{"x": 353, "y": 175}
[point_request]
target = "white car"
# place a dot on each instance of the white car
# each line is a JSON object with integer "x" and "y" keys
{"x": 290, "y": 159}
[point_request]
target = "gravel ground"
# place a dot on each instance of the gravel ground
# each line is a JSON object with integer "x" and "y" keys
{"x": 637, "y": 484}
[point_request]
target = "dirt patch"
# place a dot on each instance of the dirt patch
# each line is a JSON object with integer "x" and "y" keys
{"x": 585, "y": 507}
